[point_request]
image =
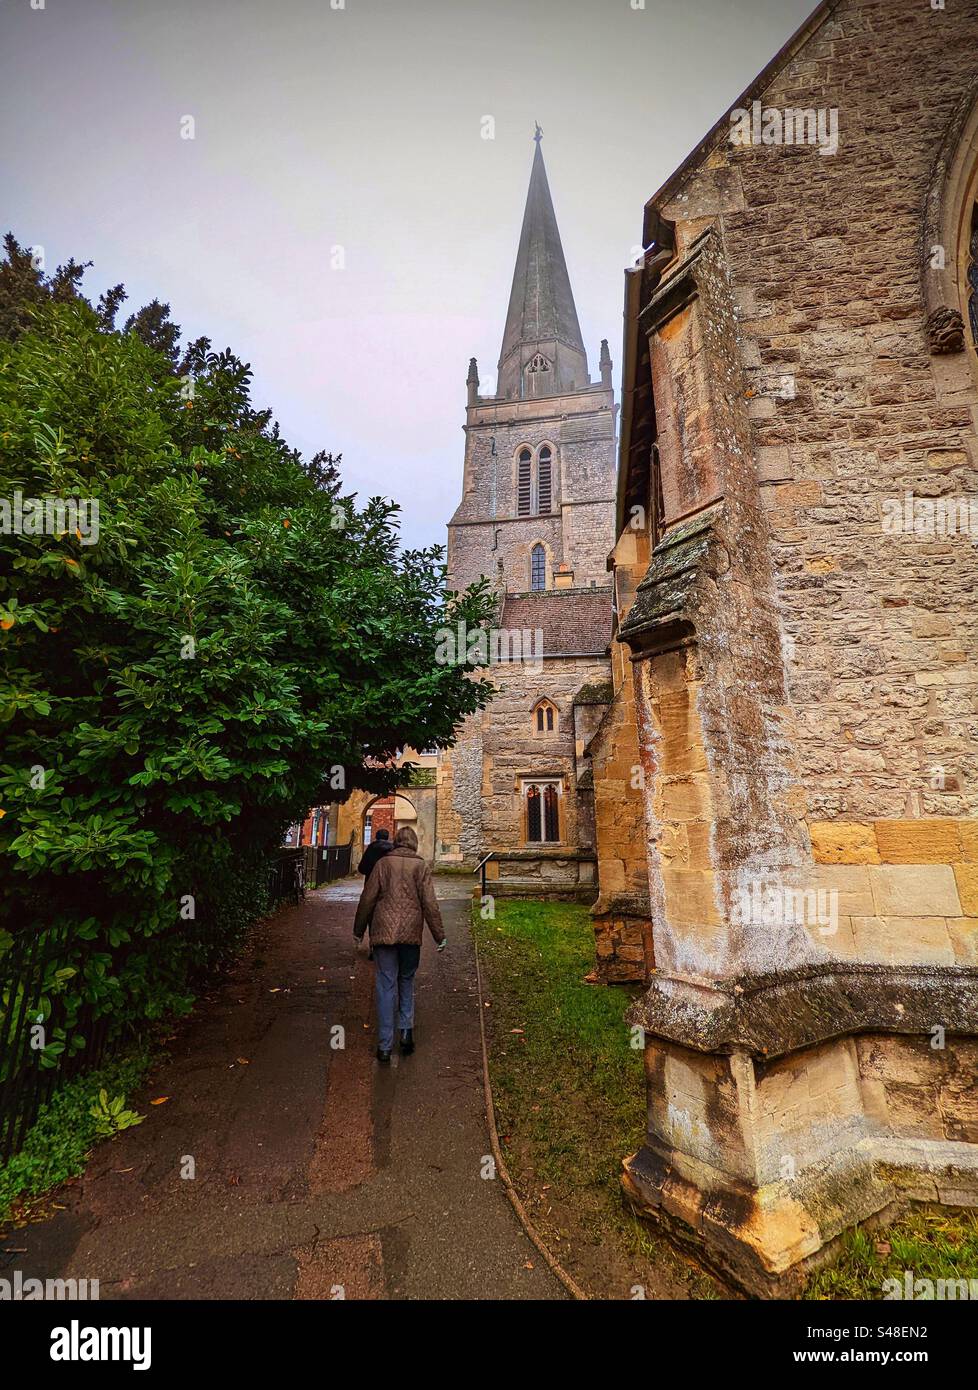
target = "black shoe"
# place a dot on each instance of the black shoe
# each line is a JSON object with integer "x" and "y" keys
{"x": 384, "y": 1058}
{"x": 407, "y": 1041}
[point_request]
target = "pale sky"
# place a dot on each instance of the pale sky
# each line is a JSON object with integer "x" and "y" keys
{"x": 359, "y": 127}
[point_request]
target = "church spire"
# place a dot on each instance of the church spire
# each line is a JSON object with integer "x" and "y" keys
{"x": 542, "y": 330}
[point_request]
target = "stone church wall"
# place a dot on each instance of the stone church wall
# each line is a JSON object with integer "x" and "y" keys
{"x": 806, "y": 682}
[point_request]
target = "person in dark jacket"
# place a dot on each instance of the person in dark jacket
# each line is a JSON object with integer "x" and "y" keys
{"x": 397, "y": 903}
{"x": 374, "y": 851}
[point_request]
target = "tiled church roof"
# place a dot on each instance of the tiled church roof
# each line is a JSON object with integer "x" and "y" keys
{"x": 573, "y": 621}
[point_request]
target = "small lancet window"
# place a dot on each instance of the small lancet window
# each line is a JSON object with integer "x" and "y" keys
{"x": 538, "y": 568}
{"x": 545, "y": 717}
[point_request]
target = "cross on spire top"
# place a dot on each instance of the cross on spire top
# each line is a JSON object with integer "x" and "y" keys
{"x": 538, "y": 133}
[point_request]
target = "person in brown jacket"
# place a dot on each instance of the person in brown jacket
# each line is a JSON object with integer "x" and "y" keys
{"x": 397, "y": 900}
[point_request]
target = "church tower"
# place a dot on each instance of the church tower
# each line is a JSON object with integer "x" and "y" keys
{"x": 537, "y": 518}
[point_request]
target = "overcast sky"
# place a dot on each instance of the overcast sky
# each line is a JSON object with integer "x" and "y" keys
{"x": 359, "y": 127}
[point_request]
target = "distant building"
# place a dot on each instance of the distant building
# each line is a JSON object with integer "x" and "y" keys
{"x": 537, "y": 518}
{"x": 358, "y": 819}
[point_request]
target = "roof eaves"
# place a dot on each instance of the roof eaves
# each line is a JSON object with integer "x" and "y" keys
{"x": 722, "y": 126}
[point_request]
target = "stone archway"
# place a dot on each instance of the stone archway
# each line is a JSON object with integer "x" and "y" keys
{"x": 387, "y": 813}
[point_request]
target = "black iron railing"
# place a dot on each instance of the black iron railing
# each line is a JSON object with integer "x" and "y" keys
{"x": 43, "y": 1041}
{"x": 308, "y": 866}
{"x": 287, "y": 876}
{"x": 324, "y": 863}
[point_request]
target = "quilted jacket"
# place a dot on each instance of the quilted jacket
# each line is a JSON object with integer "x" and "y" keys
{"x": 397, "y": 899}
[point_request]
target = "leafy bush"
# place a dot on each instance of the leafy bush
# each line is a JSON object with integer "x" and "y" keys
{"x": 57, "y": 1145}
{"x": 243, "y": 641}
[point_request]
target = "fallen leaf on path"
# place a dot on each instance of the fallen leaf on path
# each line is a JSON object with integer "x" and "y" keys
{"x": 243, "y": 1060}
{"x": 516, "y": 1030}
{"x": 528, "y": 1265}
{"x": 160, "y": 1100}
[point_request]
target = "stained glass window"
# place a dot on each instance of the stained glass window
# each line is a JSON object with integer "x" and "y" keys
{"x": 550, "y": 818}
{"x": 533, "y": 819}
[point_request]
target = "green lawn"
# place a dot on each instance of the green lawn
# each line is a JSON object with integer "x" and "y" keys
{"x": 570, "y": 1099}
{"x": 568, "y": 1087}
{"x": 934, "y": 1242}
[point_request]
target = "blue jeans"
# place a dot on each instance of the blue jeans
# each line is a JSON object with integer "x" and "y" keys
{"x": 394, "y": 971}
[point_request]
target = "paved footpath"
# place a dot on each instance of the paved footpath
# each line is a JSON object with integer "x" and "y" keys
{"x": 315, "y": 1169}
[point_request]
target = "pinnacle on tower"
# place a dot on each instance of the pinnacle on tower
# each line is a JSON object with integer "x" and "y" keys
{"x": 472, "y": 381}
{"x": 604, "y": 362}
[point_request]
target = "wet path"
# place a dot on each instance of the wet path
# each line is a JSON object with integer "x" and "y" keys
{"x": 317, "y": 1173}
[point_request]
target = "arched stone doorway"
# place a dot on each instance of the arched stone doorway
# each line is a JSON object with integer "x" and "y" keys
{"x": 388, "y": 813}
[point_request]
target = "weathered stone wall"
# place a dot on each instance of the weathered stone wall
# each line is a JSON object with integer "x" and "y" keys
{"x": 806, "y": 682}
{"x": 850, "y": 409}
{"x": 622, "y": 924}
{"x": 486, "y": 533}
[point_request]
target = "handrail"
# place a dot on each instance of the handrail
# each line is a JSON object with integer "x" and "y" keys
{"x": 481, "y": 867}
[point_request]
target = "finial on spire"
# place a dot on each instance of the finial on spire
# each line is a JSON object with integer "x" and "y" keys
{"x": 538, "y": 133}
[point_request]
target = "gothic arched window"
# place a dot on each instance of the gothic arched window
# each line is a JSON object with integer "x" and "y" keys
{"x": 544, "y": 488}
{"x": 524, "y": 483}
{"x": 544, "y": 717}
{"x": 542, "y": 812}
{"x": 538, "y": 567}
{"x": 535, "y": 481}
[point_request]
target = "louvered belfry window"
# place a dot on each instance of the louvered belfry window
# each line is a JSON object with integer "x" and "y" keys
{"x": 544, "y": 489}
{"x": 524, "y": 484}
{"x": 535, "y": 482}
